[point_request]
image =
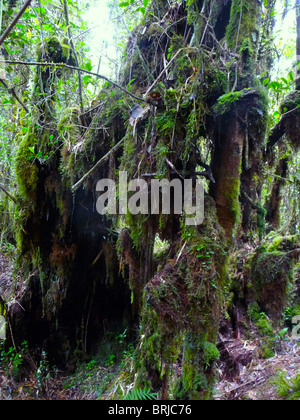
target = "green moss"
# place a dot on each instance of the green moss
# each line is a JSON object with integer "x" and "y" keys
{"x": 269, "y": 266}
{"x": 165, "y": 122}
{"x": 271, "y": 278}
{"x": 264, "y": 326}
{"x": 210, "y": 353}
{"x": 286, "y": 387}
{"x": 26, "y": 169}
{"x": 181, "y": 315}
{"x": 283, "y": 243}
{"x": 54, "y": 50}
{"x": 267, "y": 350}
{"x": 243, "y": 23}
{"x": 198, "y": 379}
{"x": 232, "y": 195}
{"x": 227, "y": 101}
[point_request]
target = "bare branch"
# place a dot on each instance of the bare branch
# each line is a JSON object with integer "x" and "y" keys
{"x": 63, "y": 65}
{"x": 167, "y": 66}
{"x": 66, "y": 13}
{"x": 279, "y": 129}
{"x": 8, "y": 194}
{"x": 13, "y": 92}
{"x": 97, "y": 165}
{"x": 14, "y": 22}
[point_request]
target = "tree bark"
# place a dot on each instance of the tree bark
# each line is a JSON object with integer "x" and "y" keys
{"x": 273, "y": 205}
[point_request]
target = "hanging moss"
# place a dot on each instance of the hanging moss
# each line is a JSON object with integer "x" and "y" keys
{"x": 26, "y": 167}
{"x": 243, "y": 25}
{"x": 183, "y": 302}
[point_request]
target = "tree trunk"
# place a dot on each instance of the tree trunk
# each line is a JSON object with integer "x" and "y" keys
{"x": 205, "y": 101}
{"x": 273, "y": 205}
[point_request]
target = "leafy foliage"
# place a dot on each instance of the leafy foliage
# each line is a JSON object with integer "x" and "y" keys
{"x": 141, "y": 395}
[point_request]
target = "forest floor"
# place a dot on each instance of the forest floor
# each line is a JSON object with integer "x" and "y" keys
{"x": 274, "y": 378}
{"x": 243, "y": 373}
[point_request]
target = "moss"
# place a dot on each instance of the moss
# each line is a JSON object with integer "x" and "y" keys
{"x": 271, "y": 276}
{"x": 54, "y": 50}
{"x": 265, "y": 329}
{"x": 69, "y": 125}
{"x": 228, "y": 100}
{"x": 233, "y": 202}
{"x": 246, "y": 51}
{"x": 283, "y": 243}
{"x": 198, "y": 379}
{"x": 264, "y": 326}
{"x": 26, "y": 169}
{"x": 181, "y": 315}
{"x": 287, "y": 388}
{"x": 210, "y": 353}
{"x": 243, "y": 23}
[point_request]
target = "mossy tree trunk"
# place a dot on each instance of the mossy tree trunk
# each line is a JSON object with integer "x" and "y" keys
{"x": 206, "y": 109}
{"x": 239, "y": 139}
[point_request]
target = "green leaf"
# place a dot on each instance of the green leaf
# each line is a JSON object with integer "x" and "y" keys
{"x": 124, "y": 4}
{"x": 142, "y": 10}
{"x": 89, "y": 66}
{"x": 31, "y": 149}
{"x": 283, "y": 332}
{"x": 266, "y": 81}
{"x": 291, "y": 76}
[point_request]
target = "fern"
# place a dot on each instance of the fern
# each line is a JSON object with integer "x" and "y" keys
{"x": 141, "y": 395}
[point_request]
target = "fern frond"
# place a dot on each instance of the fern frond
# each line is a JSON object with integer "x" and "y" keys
{"x": 141, "y": 395}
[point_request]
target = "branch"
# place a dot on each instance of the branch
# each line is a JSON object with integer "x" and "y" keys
{"x": 208, "y": 173}
{"x": 14, "y": 22}
{"x": 279, "y": 129}
{"x": 170, "y": 164}
{"x": 66, "y": 12}
{"x": 166, "y": 68}
{"x": 8, "y": 194}
{"x": 97, "y": 165}
{"x": 63, "y": 65}
{"x": 13, "y": 92}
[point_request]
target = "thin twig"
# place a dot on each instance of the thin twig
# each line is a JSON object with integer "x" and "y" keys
{"x": 97, "y": 165}
{"x": 66, "y": 13}
{"x": 14, "y": 22}
{"x": 239, "y": 28}
{"x": 13, "y": 92}
{"x": 8, "y": 194}
{"x": 166, "y": 68}
{"x": 67, "y": 66}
